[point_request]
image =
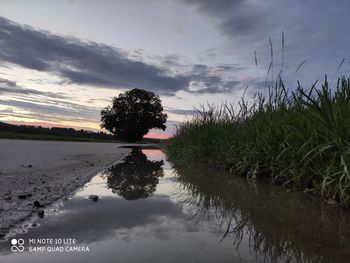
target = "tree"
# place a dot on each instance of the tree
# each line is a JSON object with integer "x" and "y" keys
{"x": 133, "y": 114}
{"x": 136, "y": 177}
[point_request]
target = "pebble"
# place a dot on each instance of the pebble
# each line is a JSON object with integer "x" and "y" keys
{"x": 93, "y": 197}
{"x": 22, "y": 196}
{"x": 41, "y": 213}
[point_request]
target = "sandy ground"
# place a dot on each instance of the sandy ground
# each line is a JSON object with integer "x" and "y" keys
{"x": 46, "y": 171}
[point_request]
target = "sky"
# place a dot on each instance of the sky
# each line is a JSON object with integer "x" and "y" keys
{"x": 62, "y": 61}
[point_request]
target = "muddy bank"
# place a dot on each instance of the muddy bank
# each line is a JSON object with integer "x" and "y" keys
{"x": 35, "y": 174}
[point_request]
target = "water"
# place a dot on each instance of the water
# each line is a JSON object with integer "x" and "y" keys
{"x": 150, "y": 212}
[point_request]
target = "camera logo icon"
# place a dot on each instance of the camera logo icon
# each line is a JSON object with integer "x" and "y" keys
{"x": 17, "y": 245}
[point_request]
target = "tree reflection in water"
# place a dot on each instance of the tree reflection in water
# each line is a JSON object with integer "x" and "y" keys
{"x": 280, "y": 226}
{"x": 135, "y": 178}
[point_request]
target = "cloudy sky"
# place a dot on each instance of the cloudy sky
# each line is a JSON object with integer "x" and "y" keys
{"x": 61, "y": 62}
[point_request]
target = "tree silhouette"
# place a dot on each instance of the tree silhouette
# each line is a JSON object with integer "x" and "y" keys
{"x": 136, "y": 178}
{"x": 133, "y": 114}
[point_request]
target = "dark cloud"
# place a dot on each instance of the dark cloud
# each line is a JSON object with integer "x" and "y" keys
{"x": 237, "y": 17}
{"x": 244, "y": 18}
{"x": 216, "y": 7}
{"x": 46, "y": 106}
{"x": 180, "y": 111}
{"x": 205, "y": 79}
{"x": 64, "y": 109}
{"x": 81, "y": 62}
{"x": 90, "y": 63}
{"x": 11, "y": 87}
{"x": 314, "y": 30}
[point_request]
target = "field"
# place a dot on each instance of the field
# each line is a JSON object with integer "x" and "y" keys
{"x": 43, "y": 137}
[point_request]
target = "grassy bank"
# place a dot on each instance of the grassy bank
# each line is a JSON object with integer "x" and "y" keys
{"x": 297, "y": 139}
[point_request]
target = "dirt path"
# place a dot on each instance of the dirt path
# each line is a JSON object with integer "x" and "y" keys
{"x": 46, "y": 171}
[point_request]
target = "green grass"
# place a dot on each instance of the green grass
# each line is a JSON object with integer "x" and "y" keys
{"x": 42, "y": 137}
{"x": 24, "y": 136}
{"x": 296, "y": 139}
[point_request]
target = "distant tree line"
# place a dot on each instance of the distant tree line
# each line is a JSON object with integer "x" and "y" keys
{"x": 56, "y": 131}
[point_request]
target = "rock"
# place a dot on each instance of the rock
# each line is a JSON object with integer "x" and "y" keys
{"x": 35, "y": 225}
{"x": 30, "y": 166}
{"x": 92, "y": 164}
{"x": 94, "y": 198}
{"x": 41, "y": 213}
{"x": 36, "y": 203}
{"x": 4, "y": 231}
{"x": 22, "y": 196}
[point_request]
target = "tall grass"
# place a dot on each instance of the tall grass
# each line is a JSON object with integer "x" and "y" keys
{"x": 295, "y": 138}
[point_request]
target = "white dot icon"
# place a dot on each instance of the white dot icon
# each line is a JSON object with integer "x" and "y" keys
{"x": 14, "y": 241}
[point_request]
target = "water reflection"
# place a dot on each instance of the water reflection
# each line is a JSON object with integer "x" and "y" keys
{"x": 135, "y": 178}
{"x": 279, "y": 226}
{"x": 90, "y": 222}
{"x": 189, "y": 214}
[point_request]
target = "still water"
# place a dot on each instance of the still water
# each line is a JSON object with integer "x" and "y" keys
{"x": 149, "y": 211}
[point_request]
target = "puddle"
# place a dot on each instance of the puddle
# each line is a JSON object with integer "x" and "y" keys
{"x": 149, "y": 212}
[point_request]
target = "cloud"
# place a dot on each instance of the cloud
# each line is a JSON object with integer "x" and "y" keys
{"x": 180, "y": 111}
{"x": 11, "y": 87}
{"x": 81, "y": 62}
{"x": 99, "y": 65}
{"x": 314, "y": 31}
{"x": 236, "y": 17}
{"x": 90, "y": 222}
{"x": 47, "y": 106}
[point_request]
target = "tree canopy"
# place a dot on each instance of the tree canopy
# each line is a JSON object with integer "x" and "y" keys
{"x": 133, "y": 114}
